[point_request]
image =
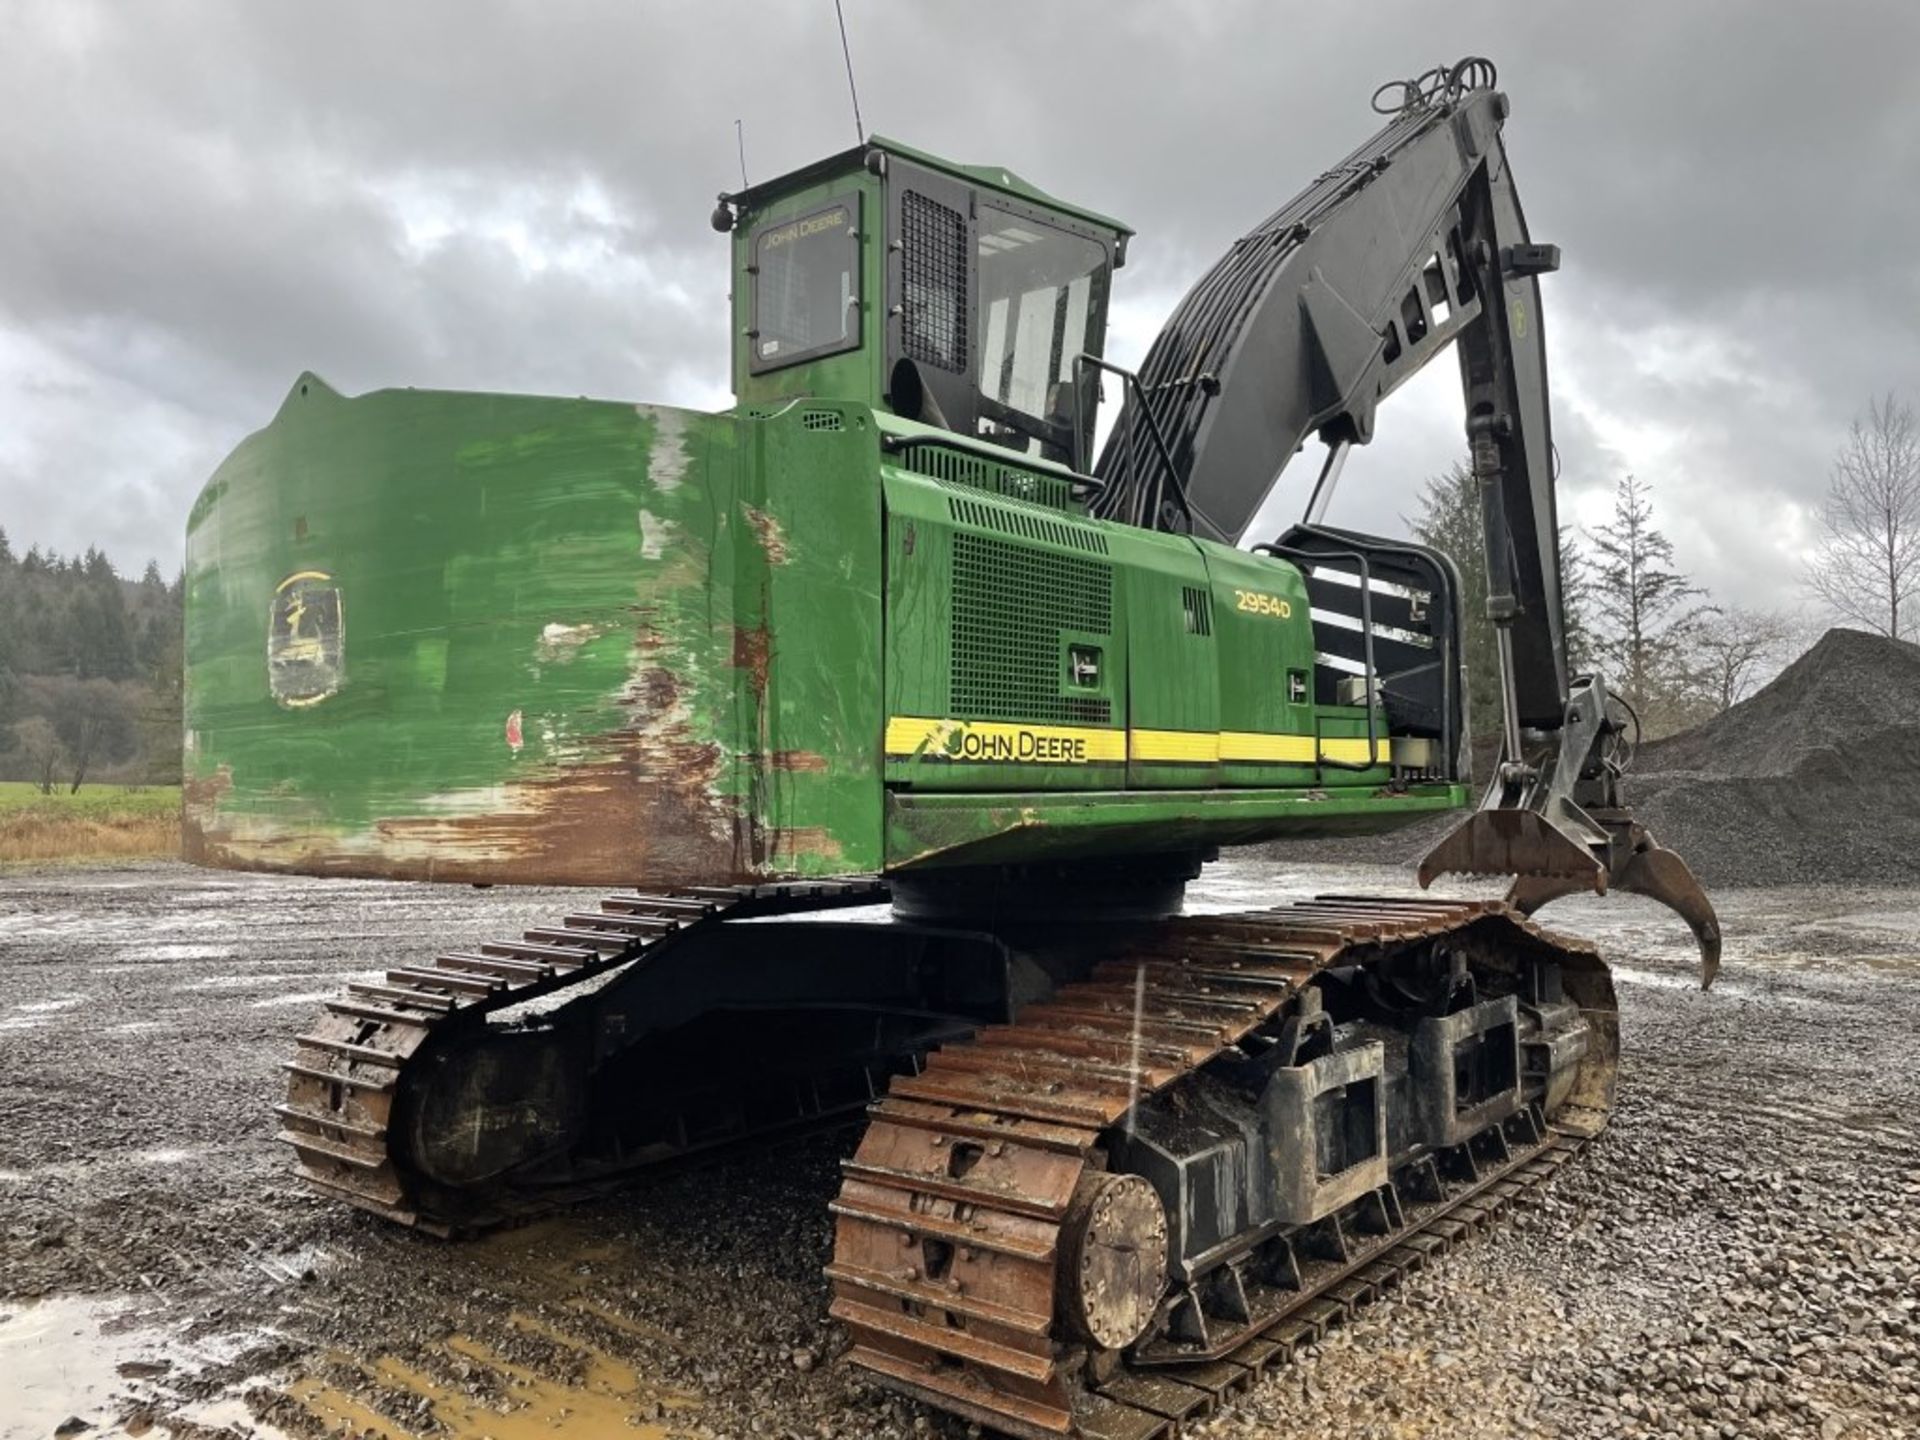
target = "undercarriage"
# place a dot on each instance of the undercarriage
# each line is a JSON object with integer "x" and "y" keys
{"x": 1112, "y": 1168}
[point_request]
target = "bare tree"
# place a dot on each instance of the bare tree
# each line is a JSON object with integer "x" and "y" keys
{"x": 1735, "y": 649}
{"x": 40, "y": 743}
{"x": 1868, "y": 566}
{"x": 86, "y": 733}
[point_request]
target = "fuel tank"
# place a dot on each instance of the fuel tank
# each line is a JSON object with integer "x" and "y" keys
{"x": 531, "y": 640}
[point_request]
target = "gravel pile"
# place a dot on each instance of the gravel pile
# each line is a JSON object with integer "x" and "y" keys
{"x": 1814, "y": 779}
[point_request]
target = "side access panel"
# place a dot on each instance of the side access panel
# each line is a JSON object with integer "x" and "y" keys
{"x": 809, "y": 643}
{"x": 1272, "y": 733}
{"x": 1173, "y": 670}
{"x": 1006, "y": 641}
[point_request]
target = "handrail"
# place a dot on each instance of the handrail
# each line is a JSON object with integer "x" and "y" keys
{"x": 1127, "y": 377}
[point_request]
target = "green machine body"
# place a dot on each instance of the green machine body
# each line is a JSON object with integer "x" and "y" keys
{"x": 863, "y": 621}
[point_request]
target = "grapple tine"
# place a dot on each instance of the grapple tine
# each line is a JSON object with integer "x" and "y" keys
{"x": 1515, "y": 842}
{"x": 1529, "y": 892}
{"x": 1660, "y": 874}
{"x": 1651, "y": 870}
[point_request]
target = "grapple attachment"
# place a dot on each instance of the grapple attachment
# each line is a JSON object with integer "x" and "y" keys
{"x": 1551, "y": 855}
{"x": 1518, "y": 842}
{"x": 1649, "y": 869}
{"x": 1553, "y": 819}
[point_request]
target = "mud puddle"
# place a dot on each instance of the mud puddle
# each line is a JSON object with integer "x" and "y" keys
{"x": 67, "y": 1357}
{"x": 462, "y": 1386}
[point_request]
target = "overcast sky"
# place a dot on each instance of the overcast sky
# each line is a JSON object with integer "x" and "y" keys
{"x": 200, "y": 201}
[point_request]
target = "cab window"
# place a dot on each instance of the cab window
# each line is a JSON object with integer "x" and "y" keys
{"x": 806, "y": 287}
{"x": 1043, "y": 300}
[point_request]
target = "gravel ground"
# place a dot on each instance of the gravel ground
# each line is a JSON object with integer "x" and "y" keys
{"x": 1738, "y": 1256}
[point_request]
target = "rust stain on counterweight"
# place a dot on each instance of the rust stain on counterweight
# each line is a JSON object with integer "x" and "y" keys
{"x": 648, "y": 798}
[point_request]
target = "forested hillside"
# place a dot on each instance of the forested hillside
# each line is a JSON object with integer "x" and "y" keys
{"x": 89, "y": 671}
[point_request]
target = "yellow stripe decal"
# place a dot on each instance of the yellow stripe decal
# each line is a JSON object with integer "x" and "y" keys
{"x": 1184, "y": 746}
{"x": 994, "y": 742}
{"x": 1240, "y": 745}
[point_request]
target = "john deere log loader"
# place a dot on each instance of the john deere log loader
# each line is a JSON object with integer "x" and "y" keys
{"x": 887, "y": 630}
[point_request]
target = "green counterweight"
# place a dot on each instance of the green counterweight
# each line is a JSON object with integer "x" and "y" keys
{"x": 474, "y": 637}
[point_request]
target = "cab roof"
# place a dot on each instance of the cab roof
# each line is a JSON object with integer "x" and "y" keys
{"x": 992, "y": 177}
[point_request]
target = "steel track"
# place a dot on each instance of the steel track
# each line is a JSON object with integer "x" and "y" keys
{"x": 1027, "y": 1103}
{"x": 953, "y": 1216}
{"x": 346, "y": 1082}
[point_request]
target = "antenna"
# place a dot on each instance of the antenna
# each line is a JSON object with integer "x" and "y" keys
{"x": 852, "y": 89}
{"x": 740, "y": 139}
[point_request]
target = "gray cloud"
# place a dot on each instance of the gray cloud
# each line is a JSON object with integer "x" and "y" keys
{"x": 202, "y": 201}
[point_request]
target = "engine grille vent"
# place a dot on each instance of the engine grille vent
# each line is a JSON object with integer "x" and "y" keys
{"x": 1010, "y": 607}
{"x": 933, "y": 283}
{"x": 1027, "y": 525}
{"x": 821, "y": 420}
{"x": 976, "y": 472}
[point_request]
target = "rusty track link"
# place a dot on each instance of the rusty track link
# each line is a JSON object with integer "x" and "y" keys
{"x": 952, "y": 1223}
{"x": 345, "y": 1078}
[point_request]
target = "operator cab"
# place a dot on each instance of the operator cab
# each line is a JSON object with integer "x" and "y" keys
{"x": 954, "y": 295}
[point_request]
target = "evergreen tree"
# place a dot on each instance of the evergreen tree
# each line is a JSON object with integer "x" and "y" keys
{"x": 92, "y": 660}
{"x": 105, "y": 631}
{"x": 1450, "y": 522}
{"x": 1645, "y": 626}
{"x": 161, "y": 716}
{"x": 1576, "y": 604}
{"x": 9, "y": 648}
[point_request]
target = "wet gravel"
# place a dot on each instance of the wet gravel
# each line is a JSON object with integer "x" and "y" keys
{"x": 1738, "y": 1256}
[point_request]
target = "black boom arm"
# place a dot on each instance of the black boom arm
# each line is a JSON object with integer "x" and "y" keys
{"x": 1413, "y": 242}
{"x": 1326, "y": 307}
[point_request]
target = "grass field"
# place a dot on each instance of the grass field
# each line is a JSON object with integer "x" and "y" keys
{"x": 100, "y": 822}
